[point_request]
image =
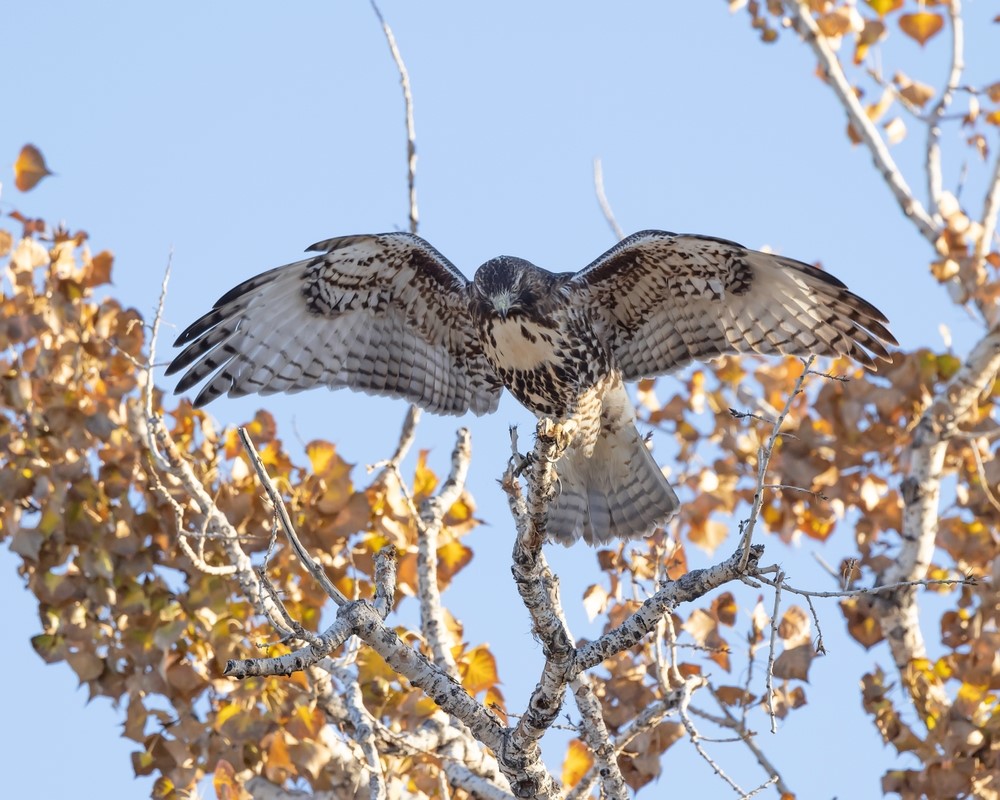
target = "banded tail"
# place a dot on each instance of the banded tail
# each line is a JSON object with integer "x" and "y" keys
{"x": 617, "y": 492}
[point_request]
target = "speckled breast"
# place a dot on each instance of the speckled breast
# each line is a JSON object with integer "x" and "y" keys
{"x": 546, "y": 364}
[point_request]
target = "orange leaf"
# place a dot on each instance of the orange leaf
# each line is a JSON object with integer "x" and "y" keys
{"x": 494, "y": 701}
{"x": 578, "y": 760}
{"x": 99, "y": 271}
{"x": 29, "y": 168}
{"x": 921, "y": 26}
{"x": 724, "y": 608}
{"x": 225, "y": 783}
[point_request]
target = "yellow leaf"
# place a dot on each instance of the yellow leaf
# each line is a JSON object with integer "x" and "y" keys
{"x": 578, "y": 760}
{"x": 163, "y": 789}
{"x": 224, "y": 714}
{"x": 321, "y": 455}
{"x": 452, "y": 556}
{"x": 883, "y": 7}
{"x": 921, "y": 25}
{"x": 993, "y": 118}
{"x": 895, "y": 130}
{"x": 479, "y": 669}
{"x": 461, "y": 510}
{"x": 424, "y": 480}
{"x": 29, "y": 168}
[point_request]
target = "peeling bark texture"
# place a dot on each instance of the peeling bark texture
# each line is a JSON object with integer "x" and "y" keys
{"x": 596, "y": 736}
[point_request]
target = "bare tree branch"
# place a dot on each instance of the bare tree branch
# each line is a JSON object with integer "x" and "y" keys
{"x": 311, "y": 564}
{"x": 602, "y": 200}
{"x": 431, "y": 520}
{"x": 688, "y": 587}
{"x": 595, "y": 735}
{"x": 898, "y": 613}
{"x": 957, "y": 65}
{"x": 364, "y": 734}
{"x": 411, "y": 134}
{"x": 806, "y": 25}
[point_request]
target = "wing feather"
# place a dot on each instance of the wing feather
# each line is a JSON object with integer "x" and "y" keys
{"x": 666, "y": 299}
{"x": 385, "y": 314}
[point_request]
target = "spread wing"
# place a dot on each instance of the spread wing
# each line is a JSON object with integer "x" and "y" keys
{"x": 385, "y": 314}
{"x": 666, "y": 299}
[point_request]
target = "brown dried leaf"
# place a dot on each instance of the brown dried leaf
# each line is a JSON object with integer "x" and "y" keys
{"x": 724, "y": 608}
{"x": 794, "y": 663}
{"x": 707, "y": 534}
{"x": 794, "y": 627}
{"x": 862, "y": 624}
{"x": 917, "y": 93}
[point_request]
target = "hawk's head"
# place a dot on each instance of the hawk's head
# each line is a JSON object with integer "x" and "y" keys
{"x": 506, "y": 285}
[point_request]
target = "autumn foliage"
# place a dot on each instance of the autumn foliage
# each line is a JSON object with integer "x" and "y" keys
{"x": 118, "y": 599}
{"x": 136, "y": 591}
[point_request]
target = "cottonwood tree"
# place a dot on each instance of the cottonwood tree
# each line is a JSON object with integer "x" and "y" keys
{"x": 182, "y": 570}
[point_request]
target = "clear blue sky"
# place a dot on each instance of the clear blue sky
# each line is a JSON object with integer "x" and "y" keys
{"x": 238, "y": 134}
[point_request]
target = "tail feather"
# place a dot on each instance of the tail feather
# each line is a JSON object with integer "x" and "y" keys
{"x": 618, "y": 492}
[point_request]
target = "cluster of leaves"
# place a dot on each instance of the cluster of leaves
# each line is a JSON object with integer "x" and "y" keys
{"x": 98, "y": 538}
{"x": 868, "y": 25}
{"x": 834, "y": 470}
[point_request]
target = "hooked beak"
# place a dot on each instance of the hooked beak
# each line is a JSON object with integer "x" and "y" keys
{"x": 502, "y": 304}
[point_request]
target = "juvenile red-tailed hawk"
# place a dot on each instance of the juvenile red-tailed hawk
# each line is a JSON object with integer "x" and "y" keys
{"x": 388, "y": 314}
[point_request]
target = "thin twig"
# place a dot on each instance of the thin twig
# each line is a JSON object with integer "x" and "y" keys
{"x": 411, "y": 135}
{"x": 430, "y": 520}
{"x": 747, "y": 737}
{"x": 311, "y": 564}
{"x": 933, "y": 158}
{"x": 690, "y": 685}
{"x": 147, "y": 390}
{"x": 764, "y": 458}
{"x": 769, "y": 680}
{"x": 807, "y": 27}
{"x": 888, "y": 588}
{"x": 602, "y": 200}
